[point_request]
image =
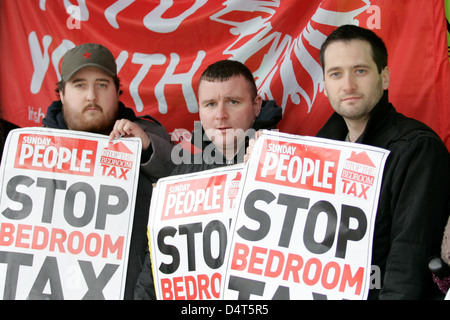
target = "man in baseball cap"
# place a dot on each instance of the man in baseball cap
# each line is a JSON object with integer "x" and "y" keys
{"x": 89, "y": 93}
{"x": 88, "y": 55}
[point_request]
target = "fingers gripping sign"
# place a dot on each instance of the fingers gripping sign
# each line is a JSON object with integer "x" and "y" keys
{"x": 251, "y": 144}
{"x": 127, "y": 128}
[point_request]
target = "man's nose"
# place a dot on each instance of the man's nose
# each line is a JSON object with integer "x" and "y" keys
{"x": 91, "y": 94}
{"x": 349, "y": 84}
{"x": 221, "y": 111}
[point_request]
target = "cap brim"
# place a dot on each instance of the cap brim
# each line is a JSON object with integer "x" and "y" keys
{"x": 67, "y": 77}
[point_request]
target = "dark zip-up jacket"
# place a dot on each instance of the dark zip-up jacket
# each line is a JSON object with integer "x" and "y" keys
{"x": 414, "y": 200}
{"x": 199, "y": 160}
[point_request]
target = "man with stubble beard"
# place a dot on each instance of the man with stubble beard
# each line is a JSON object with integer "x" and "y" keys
{"x": 414, "y": 197}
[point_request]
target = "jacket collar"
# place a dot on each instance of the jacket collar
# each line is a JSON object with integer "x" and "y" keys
{"x": 378, "y": 117}
{"x": 336, "y": 128}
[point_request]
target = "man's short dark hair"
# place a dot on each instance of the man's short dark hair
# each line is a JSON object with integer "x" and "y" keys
{"x": 351, "y": 32}
{"x": 224, "y": 70}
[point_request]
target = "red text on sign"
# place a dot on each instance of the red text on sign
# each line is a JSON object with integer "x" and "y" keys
{"x": 189, "y": 287}
{"x": 59, "y": 240}
{"x": 292, "y": 267}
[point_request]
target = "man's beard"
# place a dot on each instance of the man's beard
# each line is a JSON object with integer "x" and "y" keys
{"x": 83, "y": 122}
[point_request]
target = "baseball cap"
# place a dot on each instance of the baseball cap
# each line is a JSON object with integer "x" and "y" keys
{"x": 87, "y": 55}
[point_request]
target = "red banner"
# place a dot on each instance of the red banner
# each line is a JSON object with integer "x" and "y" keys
{"x": 162, "y": 47}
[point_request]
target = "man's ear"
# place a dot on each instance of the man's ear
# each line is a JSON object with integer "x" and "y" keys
{"x": 386, "y": 78}
{"x": 257, "y": 103}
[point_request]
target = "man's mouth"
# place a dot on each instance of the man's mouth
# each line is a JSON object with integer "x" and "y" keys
{"x": 92, "y": 107}
{"x": 351, "y": 99}
{"x": 224, "y": 129}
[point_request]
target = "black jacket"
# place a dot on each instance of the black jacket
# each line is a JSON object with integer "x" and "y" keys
{"x": 414, "y": 199}
{"x": 154, "y": 162}
{"x": 268, "y": 118}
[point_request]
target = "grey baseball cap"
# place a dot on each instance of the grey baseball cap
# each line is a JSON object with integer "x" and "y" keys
{"x": 88, "y": 55}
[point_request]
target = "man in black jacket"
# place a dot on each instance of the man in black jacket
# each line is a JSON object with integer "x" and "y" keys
{"x": 414, "y": 199}
{"x": 89, "y": 101}
{"x": 230, "y": 111}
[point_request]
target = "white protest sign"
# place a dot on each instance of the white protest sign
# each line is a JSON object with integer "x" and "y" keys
{"x": 66, "y": 211}
{"x": 189, "y": 222}
{"x": 305, "y": 220}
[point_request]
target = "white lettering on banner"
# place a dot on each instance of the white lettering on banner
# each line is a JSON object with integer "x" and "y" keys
{"x": 147, "y": 61}
{"x": 259, "y": 31}
{"x": 152, "y": 21}
{"x": 185, "y": 79}
{"x": 155, "y": 22}
{"x": 40, "y": 60}
{"x": 112, "y": 12}
{"x": 283, "y": 53}
{"x": 41, "y": 63}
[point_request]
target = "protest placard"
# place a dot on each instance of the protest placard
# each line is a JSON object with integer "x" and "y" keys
{"x": 189, "y": 222}
{"x": 305, "y": 218}
{"x": 67, "y": 201}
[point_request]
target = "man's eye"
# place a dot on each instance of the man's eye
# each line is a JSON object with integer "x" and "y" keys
{"x": 335, "y": 75}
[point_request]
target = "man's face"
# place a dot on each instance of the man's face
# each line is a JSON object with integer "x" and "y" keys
{"x": 90, "y": 101}
{"x": 227, "y": 110}
{"x": 352, "y": 81}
